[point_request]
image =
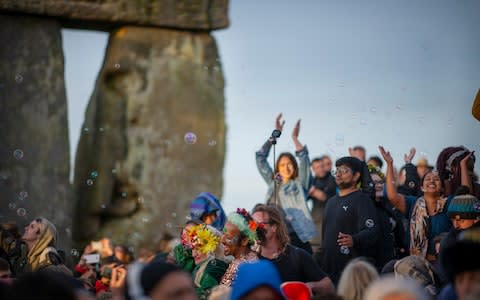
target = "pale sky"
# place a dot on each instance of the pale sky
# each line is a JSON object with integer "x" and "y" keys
{"x": 395, "y": 73}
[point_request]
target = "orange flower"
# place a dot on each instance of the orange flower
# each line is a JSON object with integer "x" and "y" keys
{"x": 252, "y": 225}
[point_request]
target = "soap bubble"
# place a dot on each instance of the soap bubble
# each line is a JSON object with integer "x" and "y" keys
{"x": 174, "y": 215}
{"x": 94, "y": 174}
{"x": 190, "y": 138}
{"x": 19, "y": 78}
{"x": 21, "y": 212}
{"x": 411, "y": 184}
{"x": 89, "y": 182}
{"x": 398, "y": 107}
{"x": 363, "y": 122}
{"x": 373, "y": 109}
{"x": 339, "y": 140}
{"x": 101, "y": 129}
{"x": 169, "y": 225}
{"x": 75, "y": 252}
{"x": 344, "y": 250}
{"x": 85, "y": 129}
{"x": 145, "y": 220}
{"x": 117, "y": 66}
{"x": 141, "y": 200}
{"x": 114, "y": 171}
{"x": 18, "y": 154}
{"x": 124, "y": 194}
{"x": 12, "y": 205}
{"x": 212, "y": 143}
{"x": 23, "y": 195}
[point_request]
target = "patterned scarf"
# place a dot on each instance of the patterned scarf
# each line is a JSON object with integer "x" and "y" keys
{"x": 419, "y": 226}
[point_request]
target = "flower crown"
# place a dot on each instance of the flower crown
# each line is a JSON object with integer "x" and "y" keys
{"x": 244, "y": 222}
{"x": 204, "y": 239}
{"x": 376, "y": 170}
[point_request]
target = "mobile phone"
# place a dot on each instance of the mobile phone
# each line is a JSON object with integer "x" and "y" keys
{"x": 92, "y": 258}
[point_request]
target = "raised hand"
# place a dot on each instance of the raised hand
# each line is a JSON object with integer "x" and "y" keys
{"x": 386, "y": 155}
{"x": 408, "y": 157}
{"x": 296, "y": 130}
{"x": 464, "y": 161}
{"x": 279, "y": 122}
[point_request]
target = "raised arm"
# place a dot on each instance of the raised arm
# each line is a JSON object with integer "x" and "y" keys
{"x": 465, "y": 177}
{"x": 397, "y": 200}
{"x": 261, "y": 155}
{"x": 304, "y": 161}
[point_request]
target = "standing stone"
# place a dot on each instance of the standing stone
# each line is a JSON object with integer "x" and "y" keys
{"x": 34, "y": 149}
{"x": 153, "y": 137}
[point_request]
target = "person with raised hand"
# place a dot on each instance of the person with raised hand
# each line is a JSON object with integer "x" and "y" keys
{"x": 289, "y": 183}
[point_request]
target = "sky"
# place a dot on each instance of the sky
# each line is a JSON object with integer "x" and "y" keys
{"x": 356, "y": 72}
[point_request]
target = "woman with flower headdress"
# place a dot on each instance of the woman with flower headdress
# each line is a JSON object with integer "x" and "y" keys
{"x": 240, "y": 234}
{"x": 207, "y": 253}
{"x": 427, "y": 214}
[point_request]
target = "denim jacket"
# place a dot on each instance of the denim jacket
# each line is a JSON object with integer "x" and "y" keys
{"x": 293, "y": 194}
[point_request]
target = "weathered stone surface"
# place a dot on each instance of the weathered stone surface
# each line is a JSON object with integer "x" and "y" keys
{"x": 34, "y": 149}
{"x": 182, "y": 14}
{"x": 135, "y": 175}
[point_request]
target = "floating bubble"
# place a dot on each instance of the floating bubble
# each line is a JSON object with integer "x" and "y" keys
{"x": 145, "y": 220}
{"x": 421, "y": 119}
{"x": 18, "y": 154}
{"x": 190, "y": 138}
{"x": 205, "y": 68}
{"x": 114, "y": 171}
{"x": 174, "y": 215}
{"x": 212, "y": 143}
{"x": 117, "y": 66}
{"x": 75, "y": 253}
{"x": 169, "y": 225}
{"x": 124, "y": 194}
{"x": 89, "y": 182}
{"x": 103, "y": 206}
{"x": 398, "y": 107}
{"x": 21, "y": 212}
{"x": 411, "y": 184}
{"x": 339, "y": 140}
{"x": 94, "y": 174}
{"x": 12, "y": 205}
{"x": 344, "y": 250}
{"x": 373, "y": 109}
{"x": 85, "y": 129}
{"x": 101, "y": 129}
{"x": 141, "y": 200}
{"x": 23, "y": 195}
{"x": 131, "y": 249}
{"x": 68, "y": 231}
{"x": 19, "y": 78}
{"x": 363, "y": 122}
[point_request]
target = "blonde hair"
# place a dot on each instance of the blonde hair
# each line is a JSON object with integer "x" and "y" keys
{"x": 355, "y": 279}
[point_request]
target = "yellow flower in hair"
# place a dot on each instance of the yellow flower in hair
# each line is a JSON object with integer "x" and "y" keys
{"x": 204, "y": 240}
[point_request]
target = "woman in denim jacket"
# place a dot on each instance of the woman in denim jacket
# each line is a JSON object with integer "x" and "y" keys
{"x": 288, "y": 187}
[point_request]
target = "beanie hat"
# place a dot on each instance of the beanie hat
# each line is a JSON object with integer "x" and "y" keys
{"x": 352, "y": 162}
{"x": 462, "y": 256}
{"x": 296, "y": 290}
{"x": 464, "y": 207}
{"x": 265, "y": 274}
{"x": 154, "y": 272}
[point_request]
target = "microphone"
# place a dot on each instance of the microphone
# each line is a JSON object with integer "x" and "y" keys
{"x": 275, "y": 135}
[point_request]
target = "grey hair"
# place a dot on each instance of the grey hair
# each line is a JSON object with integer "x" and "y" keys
{"x": 389, "y": 285}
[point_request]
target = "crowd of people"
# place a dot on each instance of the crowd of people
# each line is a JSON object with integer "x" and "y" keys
{"x": 352, "y": 233}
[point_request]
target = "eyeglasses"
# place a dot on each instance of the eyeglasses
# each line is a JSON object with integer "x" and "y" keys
{"x": 266, "y": 223}
{"x": 341, "y": 170}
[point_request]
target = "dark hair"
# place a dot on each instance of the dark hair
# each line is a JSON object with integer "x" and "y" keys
{"x": 358, "y": 147}
{"x": 376, "y": 159}
{"x": 4, "y": 265}
{"x": 423, "y": 179}
{"x": 316, "y": 159}
{"x": 275, "y": 217}
{"x": 292, "y": 159}
{"x": 448, "y": 165}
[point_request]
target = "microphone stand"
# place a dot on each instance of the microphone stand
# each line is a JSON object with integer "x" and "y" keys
{"x": 273, "y": 139}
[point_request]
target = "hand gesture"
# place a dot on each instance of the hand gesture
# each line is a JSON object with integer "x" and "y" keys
{"x": 279, "y": 122}
{"x": 386, "y": 155}
{"x": 119, "y": 275}
{"x": 408, "y": 157}
{"x": 296, "y": 131}
{"x": 464, "y": 161}
{"x": 345, "y": 240}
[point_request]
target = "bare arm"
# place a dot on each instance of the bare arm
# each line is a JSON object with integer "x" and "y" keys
{"x": 397, "y": 200}
{"x": 465, "y": 177}
{"x": 317, "y": 194}
{"x": 322, "y": 287}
